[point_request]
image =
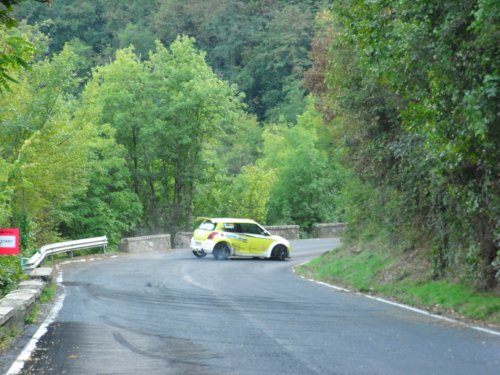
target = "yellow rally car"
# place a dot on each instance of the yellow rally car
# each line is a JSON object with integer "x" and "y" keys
{"x": 225, "y": 237}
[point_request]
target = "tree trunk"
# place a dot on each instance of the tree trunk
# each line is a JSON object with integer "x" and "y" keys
{"x": 488, "y": 253}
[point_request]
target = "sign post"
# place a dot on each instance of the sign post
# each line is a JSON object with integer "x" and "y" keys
{"x": 9, "y": 241}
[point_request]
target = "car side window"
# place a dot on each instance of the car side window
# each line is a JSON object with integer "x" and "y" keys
{"x": 251, "y": 228}
{"x": 229, "y": 227}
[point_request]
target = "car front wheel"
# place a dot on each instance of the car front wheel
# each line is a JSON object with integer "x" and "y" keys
{"x": 280, "y": 252}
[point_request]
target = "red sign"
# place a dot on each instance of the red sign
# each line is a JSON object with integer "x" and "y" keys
{"x": 9, "y": 241}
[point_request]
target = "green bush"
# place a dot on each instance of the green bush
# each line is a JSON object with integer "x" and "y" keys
{"x": 10, "y": 273}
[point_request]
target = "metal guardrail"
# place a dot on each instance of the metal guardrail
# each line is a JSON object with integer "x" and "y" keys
{"x": 64, "y": 247}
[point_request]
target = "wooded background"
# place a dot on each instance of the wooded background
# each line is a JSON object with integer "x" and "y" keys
{"x": 124, "y": 118}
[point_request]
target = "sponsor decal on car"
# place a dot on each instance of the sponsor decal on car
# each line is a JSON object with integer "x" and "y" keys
{"x": 236, "y": 237}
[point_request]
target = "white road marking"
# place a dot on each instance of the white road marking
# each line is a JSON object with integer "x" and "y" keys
{"x": 25, "y": 355}
{"x": 400, "y": 305}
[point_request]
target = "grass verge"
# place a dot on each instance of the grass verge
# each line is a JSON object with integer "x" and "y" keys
{"x": 362, "y": 271}
{"x": 32, "y": 315}
{"x": 7, "y": 337}
{"x": 47, "y": 295}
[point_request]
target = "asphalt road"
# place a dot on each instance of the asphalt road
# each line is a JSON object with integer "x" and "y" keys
{"x": 177, "y": 314}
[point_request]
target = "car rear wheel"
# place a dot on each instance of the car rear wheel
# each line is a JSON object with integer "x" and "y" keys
{"x": 222, "y": 251}
{"x": 280, "y": 252}
{"x": 199, "y": 253}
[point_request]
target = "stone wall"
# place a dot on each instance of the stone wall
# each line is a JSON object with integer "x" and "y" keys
{"x": 290, "y": 232}
{"x": 328, "y": 230}
{"x": 182, "y": 240}
{"x": 146, "y": 244}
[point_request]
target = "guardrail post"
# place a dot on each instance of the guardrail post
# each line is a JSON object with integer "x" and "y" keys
{"x": 24, "y": 262}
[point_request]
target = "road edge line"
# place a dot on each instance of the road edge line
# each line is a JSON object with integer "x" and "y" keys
{"x": 397, "y": 304}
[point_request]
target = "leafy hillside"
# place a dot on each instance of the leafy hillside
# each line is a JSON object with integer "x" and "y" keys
{"x": 413, "y": 93}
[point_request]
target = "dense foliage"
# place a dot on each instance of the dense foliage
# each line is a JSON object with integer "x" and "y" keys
{"x": 14, "y": 49}
{"x": 260, "y": 45}
{"x": 10, "y": 273}
{"x": 413, "y": 88}
{"x": 125, "y": 119}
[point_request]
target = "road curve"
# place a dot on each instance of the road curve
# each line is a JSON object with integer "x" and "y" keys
{"x": 172, "y": 313}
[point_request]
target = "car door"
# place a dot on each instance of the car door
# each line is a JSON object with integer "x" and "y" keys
{"x": 238, "y": 242}
{"x": 257, "y": 238}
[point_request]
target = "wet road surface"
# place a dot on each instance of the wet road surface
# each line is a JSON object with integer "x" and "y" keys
{"x": 172, "y": 313}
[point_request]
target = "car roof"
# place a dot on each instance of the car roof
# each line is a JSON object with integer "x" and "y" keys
{"x": 231, "y": 220}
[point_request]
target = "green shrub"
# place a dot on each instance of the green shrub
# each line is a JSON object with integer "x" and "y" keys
{"x": 10, "y": 273}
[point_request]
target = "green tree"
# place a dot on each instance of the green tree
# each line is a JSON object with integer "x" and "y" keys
{"x": 64, "y": 175}
{"x": 193, "y": 103}
{"x": 307, "y": 178}
{"x": 15, "y": 51}
{"x": 278, "y": 61}
{"x": 109, "y": 206}
{"x": 67, "y": 20}
{"x": 8, "y": 6}
{"x": 165, "y": 111}
{"x": 249, "y": 193}
{"x": 120, "y": 89}
{"x": 221, "y": 163}
{"x": 46, "y": 144}
{"x": 5, "y": 192}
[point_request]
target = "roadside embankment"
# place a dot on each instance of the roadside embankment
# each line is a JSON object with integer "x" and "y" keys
{"x": 405, "y": 279}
